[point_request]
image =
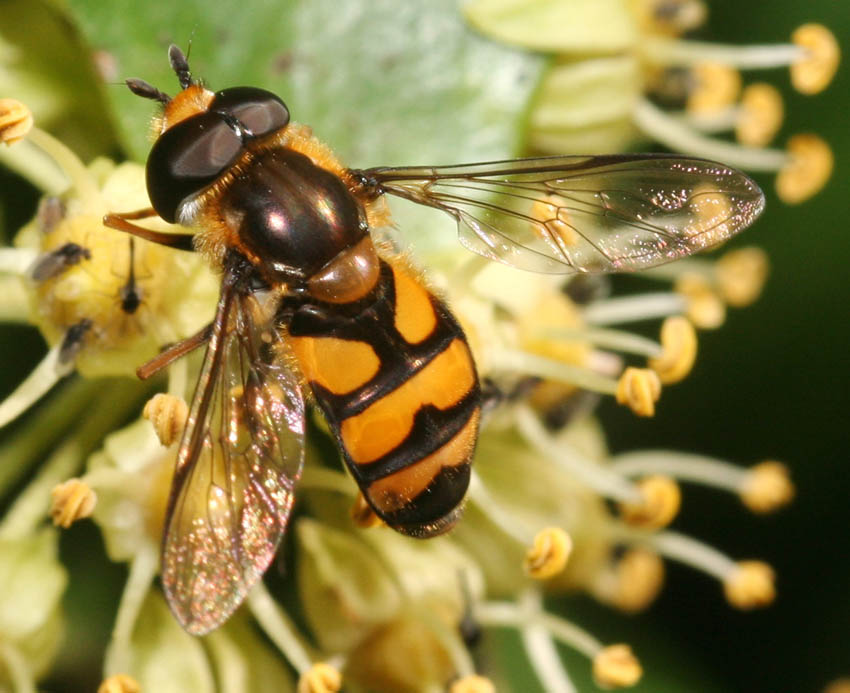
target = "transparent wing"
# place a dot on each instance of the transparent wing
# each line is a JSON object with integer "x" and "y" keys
{"x": 239, "y": 459}
{"x": 583, "y": 213}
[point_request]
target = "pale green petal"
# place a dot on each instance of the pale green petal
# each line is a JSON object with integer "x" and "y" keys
{"x": 124, "y": 474}
{"x": 344, "y": 589}
{"x": 581, "y": 93}
{"x": 558, "y": 26}
{"x": 244, "y": 660}
{"x": 165, "y": 658}
{"x": 31, "y": 581}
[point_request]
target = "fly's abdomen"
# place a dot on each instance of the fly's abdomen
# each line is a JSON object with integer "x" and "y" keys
{"x": 396, "y": 381}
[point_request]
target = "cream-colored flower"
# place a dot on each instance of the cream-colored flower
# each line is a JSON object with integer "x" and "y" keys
{"x": 613, "y": 58}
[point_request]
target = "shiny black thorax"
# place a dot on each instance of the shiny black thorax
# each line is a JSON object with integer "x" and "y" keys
{"x": 293, "y": 215}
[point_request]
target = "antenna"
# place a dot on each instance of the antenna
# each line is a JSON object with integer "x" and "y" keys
{"x": 180, "y": 66}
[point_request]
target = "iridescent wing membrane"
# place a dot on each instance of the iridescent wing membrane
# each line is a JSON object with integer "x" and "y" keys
{"x": 584, "y": 213}
{"x": 239, "y": 459}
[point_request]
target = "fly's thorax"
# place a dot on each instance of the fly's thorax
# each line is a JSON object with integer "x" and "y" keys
{"x": 289, "y": 215}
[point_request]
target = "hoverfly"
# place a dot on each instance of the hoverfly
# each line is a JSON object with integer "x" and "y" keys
{"x": 309, "y": 303}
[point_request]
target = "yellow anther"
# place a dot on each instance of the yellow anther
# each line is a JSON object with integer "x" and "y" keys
{"x": 767, "y": 487}
{"x": 841, "y": 685}
{"x": 640, "y": 577}
{"x": 168, "y": 415}
{"x": 712, "y": 210}
{"x": 750, "y": 585}
{"x": 548, "y": 555}
{"x": 473, "y": 684}
{"x": 639, "y": 389}
{"x": 716, "y": 86}
{"x": 321, "y": 678}
{"x": 815, "y": 71}
{"x": 71, "y": 500}
{"x": 362, "y": 513}
{"x": 761, "y": 115}
{"x": 810, "y": 163}
{"x": 705, "y": 309}
{"x": 119, "y": 683}
{"x": 556, "y": 221}
{"x": 659, "y": 503}
{"x": 679, "y": 345}
{"x": 616, "y": 666}
{"x": 15, "y": 121}
{"x": 741, "y": 274}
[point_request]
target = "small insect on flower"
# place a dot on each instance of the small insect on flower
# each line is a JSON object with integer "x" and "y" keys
{"x": 309, "y": 302}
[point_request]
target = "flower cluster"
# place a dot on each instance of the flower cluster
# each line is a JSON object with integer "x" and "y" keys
{"x": 550, "y": 510}
{"x": 619, "y": 77}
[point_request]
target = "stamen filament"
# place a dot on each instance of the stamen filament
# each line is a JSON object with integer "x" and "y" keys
{"x": 545, "y": 660}
{"x": 494, "y": 512}
{"x": 452, "y": 642}
{"x": 676, "y": 135}
{"x": 616, "y": 340}
{"x": 17, "y": 260}
{"x": 35, "y": 165}
{"x": 634, "y": 308}
{"x": 718, "y": 121}
{"x": 605, "y": 482}
{"x": 279, "y": 628}
{"x": 178, "y": 377}
{"x": 682, "y": 466}
{"x": 231, "y": 669}
{"x": 570, "y": 634}
{"x": 43, "y": 377}
{"x": 143, "y": 569}
{"x": 84, "y": 185}
{"x": 540, "y": 366}
{"x": 677, "y": 52}
{"x": 673, "y": 270}
{"x": 691, "y": 552}
{"x": 540, "y": 648}
{"x": 537, "y": 628}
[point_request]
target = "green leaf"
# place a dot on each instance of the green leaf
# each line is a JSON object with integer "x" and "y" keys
{"x": 383, "y": 82}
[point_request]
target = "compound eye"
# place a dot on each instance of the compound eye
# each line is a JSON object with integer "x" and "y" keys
{"x": 258, "y": 111}
{"x": 187, "y": 158}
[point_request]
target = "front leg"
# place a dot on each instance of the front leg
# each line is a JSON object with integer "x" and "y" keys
{"x": 121, "y": 222}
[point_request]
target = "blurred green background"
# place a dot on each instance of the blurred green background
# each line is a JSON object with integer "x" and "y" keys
{"x": 771, "y": 383}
